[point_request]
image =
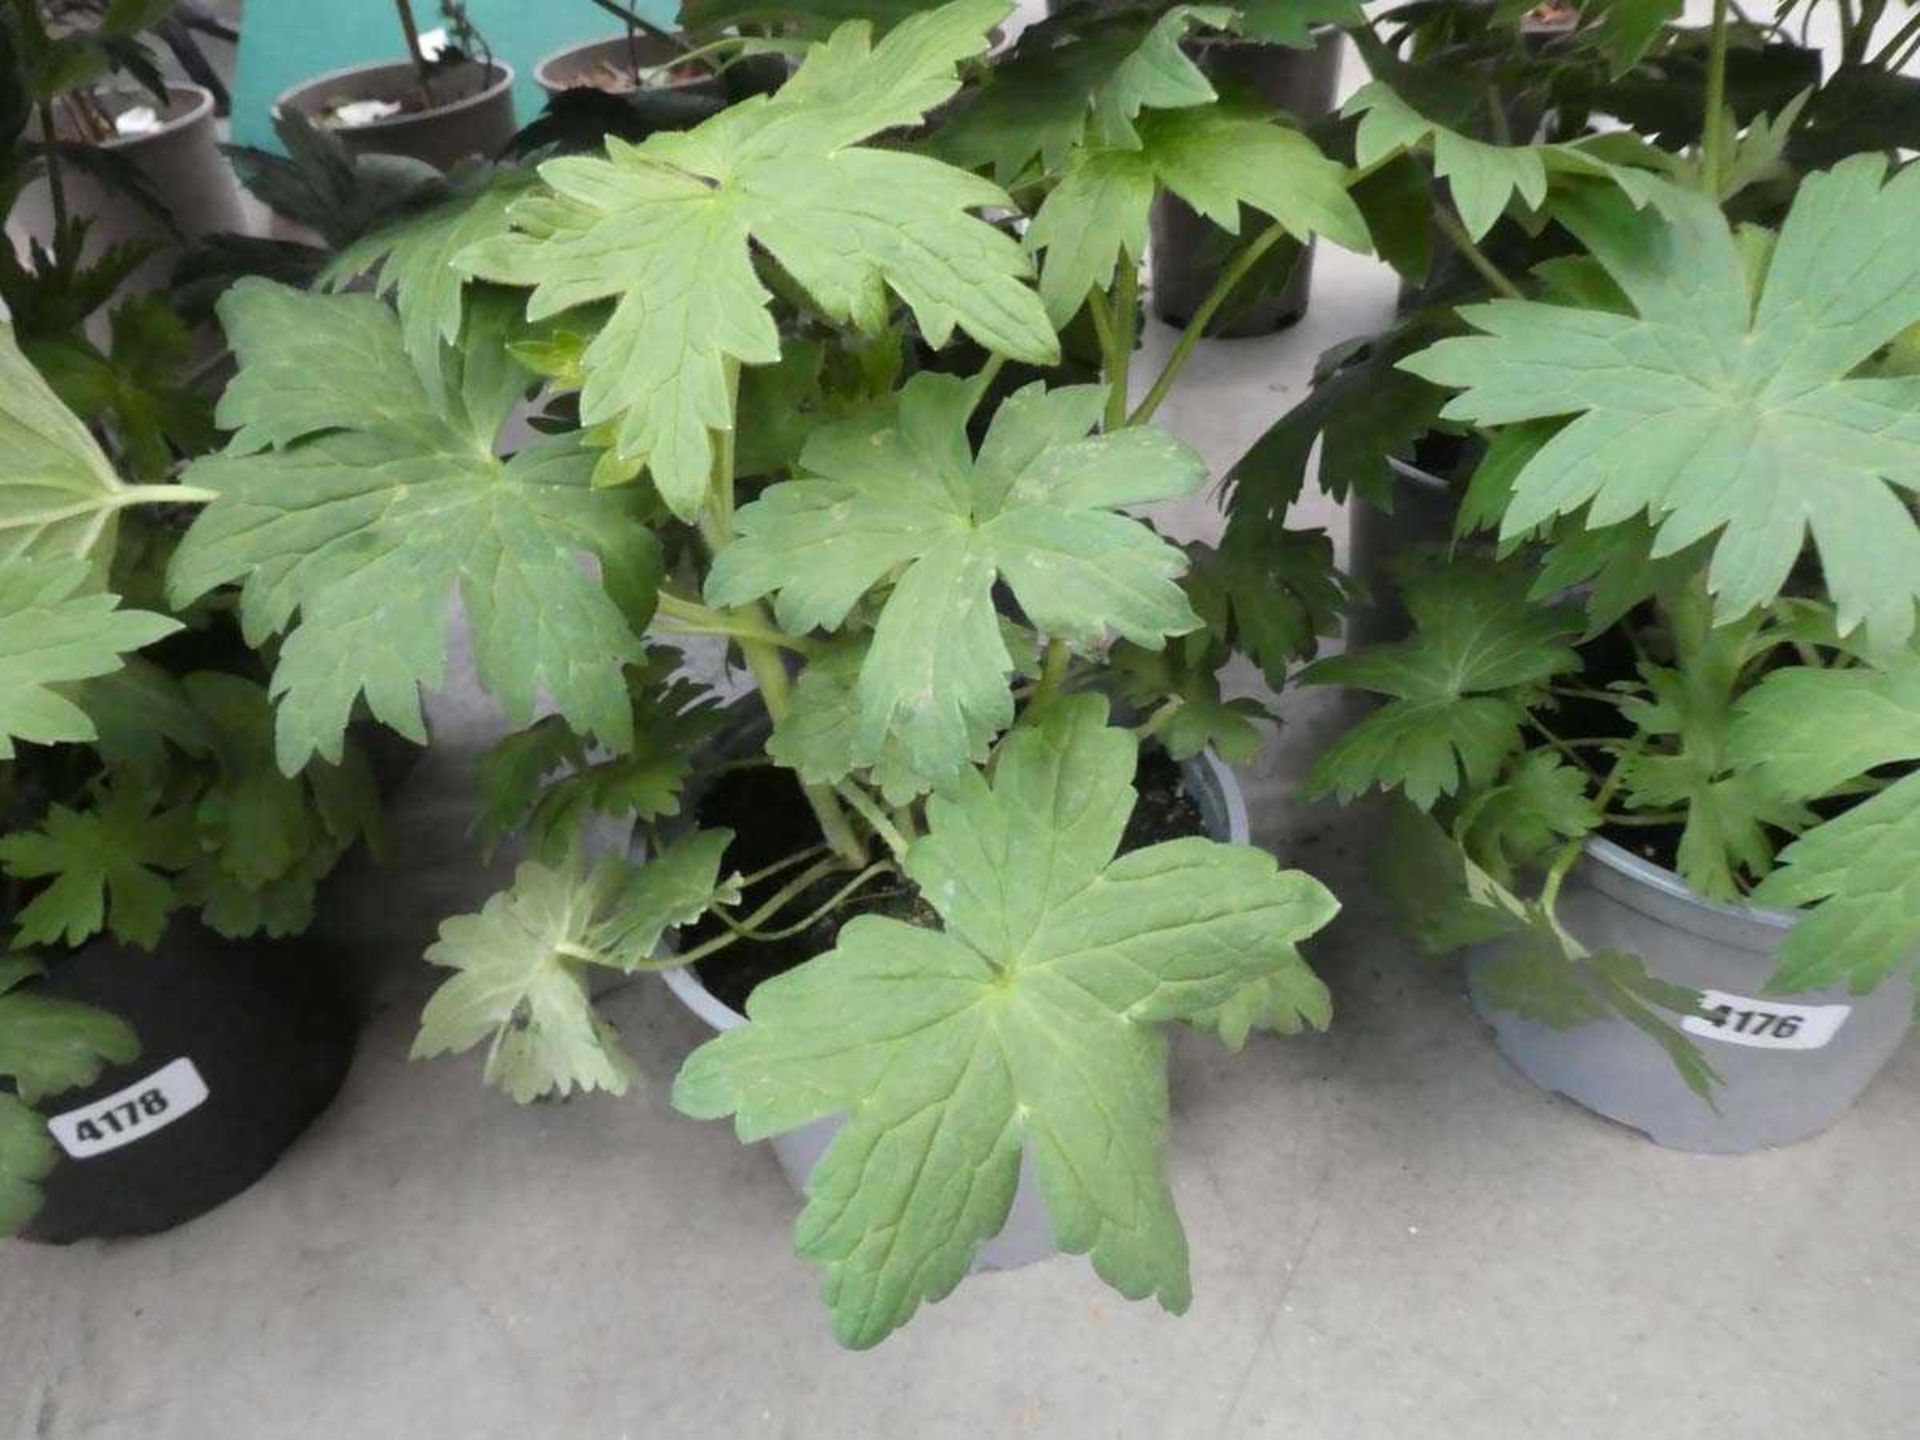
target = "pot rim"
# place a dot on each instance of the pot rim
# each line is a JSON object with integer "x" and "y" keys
{"x": 502, "y": 72}
{"x": 553, "y": 85}
{"x": 200, "y": 108}
{"x": 688, "y": 990}
{"x": 1597, "y": 850}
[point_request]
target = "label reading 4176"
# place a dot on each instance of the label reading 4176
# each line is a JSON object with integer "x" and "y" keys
{"x": 1765, "y": 1024}
{"x": 174, "y": 1090}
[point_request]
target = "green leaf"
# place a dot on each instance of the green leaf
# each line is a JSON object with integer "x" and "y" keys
{"x": 668, "y": 227}
{"x": 413, "y": 262}
{"x": 1482, "y": 178}
{"x": 1730, "y": 813}
{"x": 1628, "y": 27}
{"x": 1293, "y": 23}
{"x": 1458, "y": 686}
{"x": 1525, "y": 962}
{"x": 1271, "y": 597}
{"x": 1517, "y": 825}
{"x": 1363, "y": 411}
{"x": 265, "y": 840}
{"x": 107, "y": 867}
{"x": 27, "y": 1156}
{"x": 1813, "y": 730}
{"x": 1714, "y": 414}
{"x": 1287, "y": 1001}
{"x": 1214, "y": 159}
{"x": 1034, "y": 509}
{"x": 60, "y": 495}
{"x": 1032, "y": 1021}
{"x": 522, "y": 964}
{"x": 50, "y": 634}
{"x": 353, "y": 499}
{"x": 49, "y": 1044}
{"x": 1074, "y": 75}
{"x": 547, "y": 781}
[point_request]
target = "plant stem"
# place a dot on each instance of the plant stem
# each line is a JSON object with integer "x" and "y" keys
{"x": 743, "y": 929}
{"x": 1550, "y": 892}
{"x": 1713, "y": 136}
{"x": 868, "y": 811}
{"x": 1053, "y": 671}
{"x": 411, "y": 29}
{"x": 634, "y": 20}
{"x": 56, "y": 183}
{"x": 1126, "y": 314}
{"x": 1564, "y": 748}
{"x": 688, "y": 617}
{"x": 1238, "y": 270}
{"x": 1456, "y": 232}
{"x": 840, "y": 897}
{"x": 799, "y": 857}
{"x": 763, "y": 659}
{"x": 1888, "y": 55}
{"x": 983, "y": 382}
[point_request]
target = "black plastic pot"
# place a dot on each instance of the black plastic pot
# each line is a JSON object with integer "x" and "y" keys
{"x": 1189, "y": 253}
{"x": 243, "y": 1045}
{"x": 1423, "y": 511}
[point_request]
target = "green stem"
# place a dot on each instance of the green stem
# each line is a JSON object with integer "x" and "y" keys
{"x": 1053, "y": 671}
{"x": 1713, "y": 137}
{"x": 1550, "y": 892}
{"x": 1126, "y": 315}
{"x": 1456, "y": 232}
{"x": 1101, "y": 313}
{"x": 763, "y": 659}
{"x": 743, "y": 929}
{"x": 840, "y": 897}
{"x": 1662, "y": 817}
{"x": 983, "y": 382}
{"x": 1565, "y": 748}
{"x": 868, "y": 811}
{"x": 1241, "y": 266}
{"x": 799, "y": 857}
{"x": 688, "y": 617}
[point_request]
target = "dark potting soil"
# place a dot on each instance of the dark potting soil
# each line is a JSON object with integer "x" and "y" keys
{"x": 770, "y": 819}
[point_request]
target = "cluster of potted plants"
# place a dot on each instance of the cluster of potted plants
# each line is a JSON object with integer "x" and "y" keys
{"x": 838, "y": 376}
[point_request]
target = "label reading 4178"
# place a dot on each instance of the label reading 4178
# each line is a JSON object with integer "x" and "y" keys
{"x": 174, "y": 1090}
{"x": 1765, "y": 1024}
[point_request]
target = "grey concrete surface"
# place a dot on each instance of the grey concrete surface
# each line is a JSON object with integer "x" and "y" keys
{"x": 1394, "y": 1235}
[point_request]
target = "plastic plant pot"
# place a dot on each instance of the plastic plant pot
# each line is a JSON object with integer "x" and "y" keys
{"x": 1027, "y": 1236}
{"x": 182, "y": 165}
{"x": 243, "y": 1045}
{"x": 1188, "y": 253}
{"x": 1422, "y": 514}
{"x": 1792, "y": 1065}
{"x": 473, "y": 116}
{"x": 586, "y": 64}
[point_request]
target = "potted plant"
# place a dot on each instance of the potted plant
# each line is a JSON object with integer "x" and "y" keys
{"x": 643, "y": 57}
{"x": 443, "y": 103}
{"x": 1656, "y": 758}
{"x": 137, "y": 791}
{"x": 104, "y": 154}
{"x": 904, "y": 885}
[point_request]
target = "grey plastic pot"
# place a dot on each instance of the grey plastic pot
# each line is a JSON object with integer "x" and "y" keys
{"x": 1792, "y": 1065}
{"x": 1188, "y": 252}
{"x": 182, "y": 163}
{"x": 570, "y": 68}
{"x": 1028, "y": 1234}
{"x": 478, "y": 121}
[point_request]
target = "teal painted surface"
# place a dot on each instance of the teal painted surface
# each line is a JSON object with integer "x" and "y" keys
{"x": 285, "y": 42}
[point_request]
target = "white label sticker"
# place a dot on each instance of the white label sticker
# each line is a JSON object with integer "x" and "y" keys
{"x": 1765, "y": 1024}
{"x": 175, "y": 1089}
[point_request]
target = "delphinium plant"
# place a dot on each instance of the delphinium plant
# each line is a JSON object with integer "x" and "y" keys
{"x": 132, "y": 786}
{"x": 1697, "y": 637}
{"x": 745, "y": 334}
